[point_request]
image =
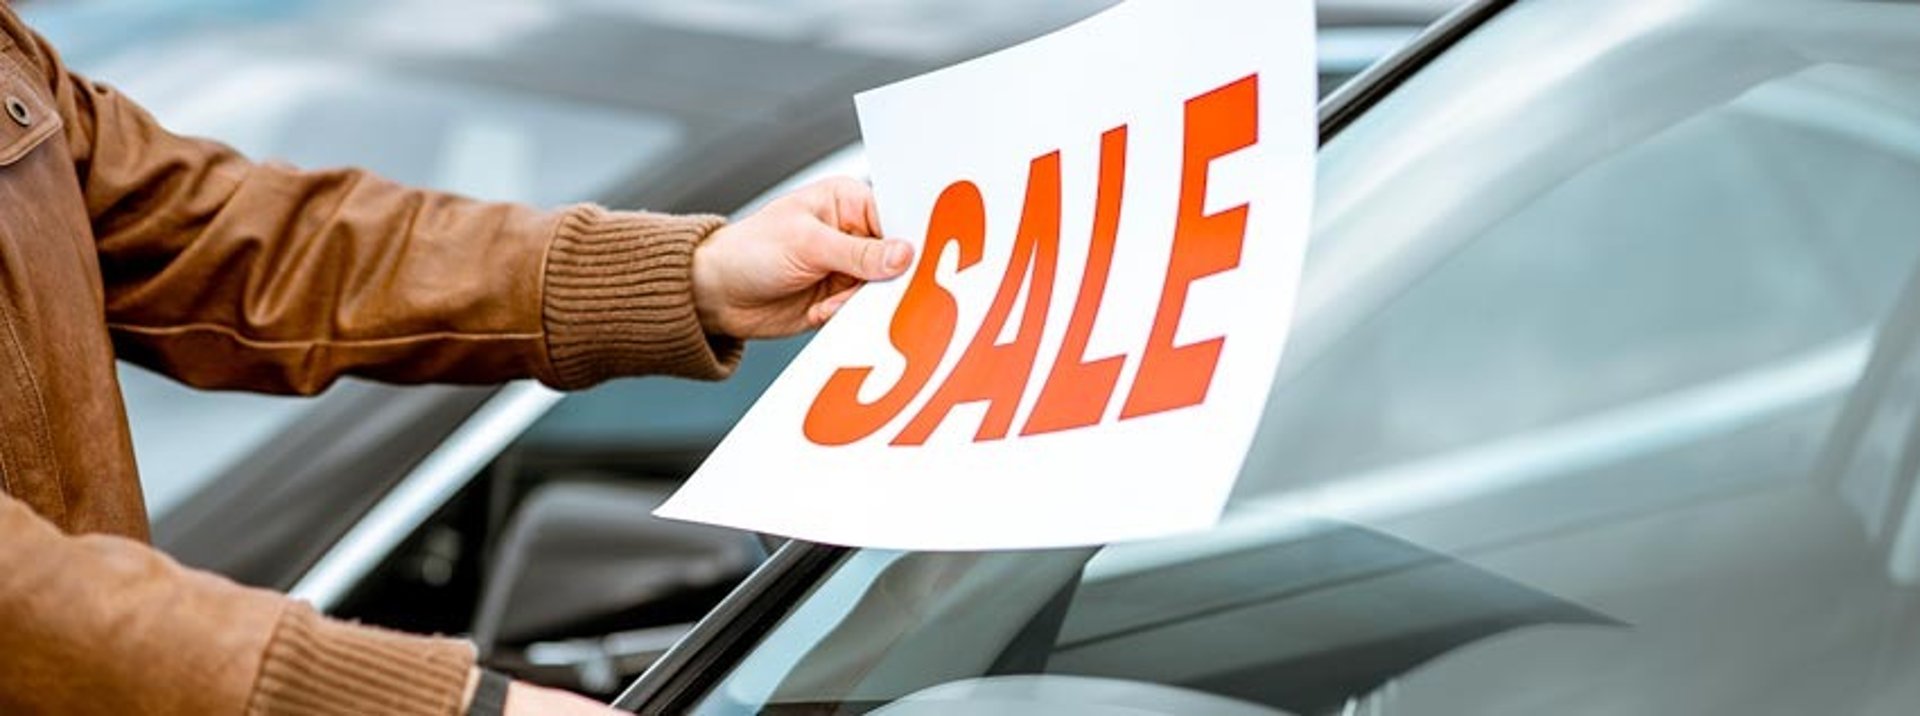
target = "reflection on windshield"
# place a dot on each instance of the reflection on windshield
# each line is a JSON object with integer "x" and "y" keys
{"x": 1602, "y": 400}
{"x": 892, "y": 624}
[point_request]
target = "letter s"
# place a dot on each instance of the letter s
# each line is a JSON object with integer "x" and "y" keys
{"x": 921, "y": 330}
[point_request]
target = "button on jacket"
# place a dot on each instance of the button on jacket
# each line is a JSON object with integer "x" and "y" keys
{"x": 120, "y": 239}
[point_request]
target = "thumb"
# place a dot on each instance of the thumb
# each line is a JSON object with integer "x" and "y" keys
{"x": 863, "y": 258}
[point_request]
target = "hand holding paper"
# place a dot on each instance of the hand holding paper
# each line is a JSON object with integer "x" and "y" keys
{"x": 1112, "y": 220}
{"x": 791, "y": 265}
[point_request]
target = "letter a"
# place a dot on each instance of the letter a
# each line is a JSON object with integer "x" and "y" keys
{"x": 1077, "y": 390}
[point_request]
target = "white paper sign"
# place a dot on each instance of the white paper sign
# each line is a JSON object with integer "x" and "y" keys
{"x": 1111, "y": 222}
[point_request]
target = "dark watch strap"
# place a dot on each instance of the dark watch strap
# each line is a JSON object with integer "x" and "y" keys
{"x": 490, "y": 697}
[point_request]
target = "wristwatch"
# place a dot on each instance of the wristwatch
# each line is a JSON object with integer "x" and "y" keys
{"x": 490, "y": 695}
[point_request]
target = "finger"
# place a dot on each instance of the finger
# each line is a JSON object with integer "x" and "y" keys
{"x": 836, "y": 283}
{"x": 819, "y": 313}
{"x": 851, "y": 203}
{"x": 862, "y": 258}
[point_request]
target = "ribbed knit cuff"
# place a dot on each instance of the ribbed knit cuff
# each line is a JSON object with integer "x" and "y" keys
{"x": 619, "y": 299}
{"x": 321, "y": 667}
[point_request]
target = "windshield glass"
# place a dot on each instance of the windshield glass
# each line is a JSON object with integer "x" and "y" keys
{"x": 1601, "y": 400}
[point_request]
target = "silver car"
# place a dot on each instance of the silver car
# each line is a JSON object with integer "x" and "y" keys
{"x": 1601, "y": 400}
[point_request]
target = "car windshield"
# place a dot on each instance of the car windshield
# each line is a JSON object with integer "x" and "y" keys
{"x": 1600, "y": 399}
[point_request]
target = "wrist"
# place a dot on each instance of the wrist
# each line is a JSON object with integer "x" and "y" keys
{"x": 618, "y": 300}
{"x": 705, "y": 287}
{"x": 473, "y": 682}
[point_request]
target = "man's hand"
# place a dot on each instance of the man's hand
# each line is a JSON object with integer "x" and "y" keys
{"x": 524, "y": 699}
{"x": 788, "y": 267}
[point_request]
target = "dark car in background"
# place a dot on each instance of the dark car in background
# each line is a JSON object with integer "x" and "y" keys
{"x": 515, "y": 514}
{"x": 1601, "y": 399}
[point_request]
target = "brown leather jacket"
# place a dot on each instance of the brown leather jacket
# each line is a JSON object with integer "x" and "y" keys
{"x": 120, "y": 239}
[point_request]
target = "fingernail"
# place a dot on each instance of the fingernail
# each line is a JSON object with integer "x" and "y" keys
{"x": 898, "y": 254}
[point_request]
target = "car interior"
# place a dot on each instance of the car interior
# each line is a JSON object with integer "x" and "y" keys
{"x": 552, "y": 561}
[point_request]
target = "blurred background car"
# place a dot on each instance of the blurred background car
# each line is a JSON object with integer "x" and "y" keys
{"x": 514, "y": 514}
{"x": 1603, "y": 397}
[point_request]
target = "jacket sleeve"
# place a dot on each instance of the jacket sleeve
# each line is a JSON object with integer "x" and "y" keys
{"x": 226, "y": 273}
{"x": 106, "y": 625}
